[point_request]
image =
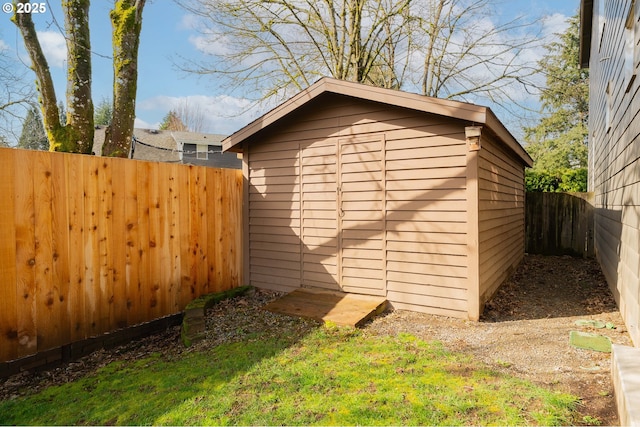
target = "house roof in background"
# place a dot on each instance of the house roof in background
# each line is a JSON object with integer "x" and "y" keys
{"x": 160, "y": 145}
{"x": 199, "y": 138}
{"x": 459, "y": 110}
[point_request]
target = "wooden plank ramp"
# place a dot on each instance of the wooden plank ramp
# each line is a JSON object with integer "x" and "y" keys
{"x": 336, "y": 307}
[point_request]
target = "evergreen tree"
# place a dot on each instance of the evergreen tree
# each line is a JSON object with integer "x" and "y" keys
{"x": 559, "y": 141}
{"x": 172, "y": 121}
{"x": 103, "y": 113}
{"x": 33, "y": 136}
{"x": 3, "y": 141}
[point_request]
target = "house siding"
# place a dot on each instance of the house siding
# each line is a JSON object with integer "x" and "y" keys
{"x": 614, "y": 155}
{"x": 500, "y": 216}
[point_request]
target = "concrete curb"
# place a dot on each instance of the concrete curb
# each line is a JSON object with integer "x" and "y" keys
{"x": 625, "y": 370}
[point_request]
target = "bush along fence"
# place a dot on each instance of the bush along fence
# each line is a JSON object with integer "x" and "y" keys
{"x": 559, "y": 224}
{"x": 89, "y": 245}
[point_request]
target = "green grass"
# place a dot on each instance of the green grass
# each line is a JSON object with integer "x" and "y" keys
{"x": 331, "y": 376}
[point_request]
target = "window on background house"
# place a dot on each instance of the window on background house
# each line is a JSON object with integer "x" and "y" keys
{"x": 202, "y": 152}
{"x": 630, "y": 46}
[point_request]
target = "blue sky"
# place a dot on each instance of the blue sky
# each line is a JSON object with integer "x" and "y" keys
{"x": 166, "y": 35}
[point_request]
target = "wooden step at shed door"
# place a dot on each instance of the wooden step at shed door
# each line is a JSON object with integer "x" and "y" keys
{"x": 326, "y": 306}
{"x": 361, "y": 215}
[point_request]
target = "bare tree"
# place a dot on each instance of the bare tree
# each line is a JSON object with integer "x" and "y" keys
{"x": 444, "y": 48}
{"x": 76, "y": 134}
{"x": 272, "y": 47}
{"x": 17, "y": 96}
{"x": 464, "y": 52}
{"x": 191, "y": 115}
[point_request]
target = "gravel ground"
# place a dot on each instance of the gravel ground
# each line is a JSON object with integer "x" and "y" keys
{"x": 524, "y": 331}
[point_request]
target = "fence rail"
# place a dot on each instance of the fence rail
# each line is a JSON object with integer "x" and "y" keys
{"x": 89, "y": 244}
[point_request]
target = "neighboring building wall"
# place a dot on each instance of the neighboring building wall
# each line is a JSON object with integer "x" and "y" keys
{"x": 317, "y": 187}
{"x": 209, "y": 155}
{"x": 500, "y": 216}
{"x": 614, "y": 151}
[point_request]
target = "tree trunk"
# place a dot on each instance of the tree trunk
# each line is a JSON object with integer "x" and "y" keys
{"x": 79, "y": 100}
{"x": 77, "y": 135}
{"x": 126, "y": 19}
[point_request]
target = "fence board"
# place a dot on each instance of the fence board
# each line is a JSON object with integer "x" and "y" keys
{"x": 8, "y": 267}
{"x": 47, "y": 313}
{"x": 118, "y": 312}
{"x": 60, "y": 242}
{"x": 74, "y": 258}
{"x": 132, "y": 224}
{"x": 143, "y": 244}
{"x": 25, "y": 254}
{"x": 91, "y": 248}
{"x": 89, "y": 244}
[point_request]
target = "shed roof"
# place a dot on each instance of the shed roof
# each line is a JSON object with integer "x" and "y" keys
{"x": 472, "y": 113}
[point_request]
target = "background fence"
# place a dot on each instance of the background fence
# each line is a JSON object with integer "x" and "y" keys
{"x": 91, "y": 244}
{"x": 559, "y": 224}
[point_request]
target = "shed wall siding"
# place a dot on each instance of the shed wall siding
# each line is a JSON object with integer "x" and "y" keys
{"x": 500, "y": 216}
{"x": 274, "y": 216}
{"x": 400, "y": 213}
{"x": 614, "y": 152}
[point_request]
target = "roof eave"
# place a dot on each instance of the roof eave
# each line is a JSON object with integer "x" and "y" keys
{"x": 496, "y": 126}
{"x": 469, "y": 112}
{"x": 459, "y": 110}
{"x": 586, "y": 26}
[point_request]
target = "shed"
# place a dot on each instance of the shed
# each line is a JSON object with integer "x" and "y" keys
{"x": 373, "y": 191}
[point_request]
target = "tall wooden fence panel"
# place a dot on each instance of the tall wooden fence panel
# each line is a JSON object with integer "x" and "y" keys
{"x": 89, "y": 244}
{"x": 559, "y": 224}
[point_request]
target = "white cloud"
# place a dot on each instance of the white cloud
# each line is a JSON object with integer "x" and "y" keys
{"x": 554, "y": 24}
{"x": 223, "y": 114}
{"x": 141, "y": 124}
{"x": 212, "y": 45}
{"x": 189, "y": 21}
{"x": 3, "y": 45}
{"x": 54, "y": 47}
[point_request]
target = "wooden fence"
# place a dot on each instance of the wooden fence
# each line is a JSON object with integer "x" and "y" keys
{"x": 559, "y": 224}
{"x": 89, "y": 244}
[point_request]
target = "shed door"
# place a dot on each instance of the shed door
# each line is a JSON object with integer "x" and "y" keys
{"x": 361, "y": 223}
{"x": 319, "y": 216}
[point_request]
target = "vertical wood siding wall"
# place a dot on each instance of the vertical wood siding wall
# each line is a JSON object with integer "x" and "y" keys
{"x": 501, "y": 217}
{"x": 362, "y": 197}
{"x": 614, "y": 122}
{"x": 89, "y": 244}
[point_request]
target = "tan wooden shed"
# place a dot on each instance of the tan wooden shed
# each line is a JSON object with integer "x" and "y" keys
{"x": 374, "y": 191}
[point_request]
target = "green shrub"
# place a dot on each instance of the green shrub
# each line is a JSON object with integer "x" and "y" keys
{"x": 567, "y": 180}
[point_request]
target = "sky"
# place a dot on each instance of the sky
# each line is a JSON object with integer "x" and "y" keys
{"x": 167, "y": 35}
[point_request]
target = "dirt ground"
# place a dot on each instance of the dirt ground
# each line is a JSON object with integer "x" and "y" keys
{"x": 524, "y": 331}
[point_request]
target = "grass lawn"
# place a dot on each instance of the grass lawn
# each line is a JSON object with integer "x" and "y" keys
{"x": 331, "y": 376}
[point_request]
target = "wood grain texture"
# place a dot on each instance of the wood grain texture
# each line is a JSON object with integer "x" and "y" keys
{"x": 91, "y": 245}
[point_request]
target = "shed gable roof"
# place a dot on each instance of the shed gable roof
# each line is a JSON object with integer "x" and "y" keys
{"x": 454, "y": 109}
